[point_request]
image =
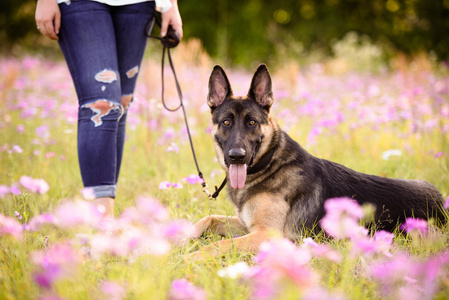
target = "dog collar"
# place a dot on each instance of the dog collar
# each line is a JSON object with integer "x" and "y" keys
{"x": 262, "y": 163}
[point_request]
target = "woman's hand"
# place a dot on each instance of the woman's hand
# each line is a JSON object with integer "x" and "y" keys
{"x": 48, "y": 18}
{"x": 171, "y": 17}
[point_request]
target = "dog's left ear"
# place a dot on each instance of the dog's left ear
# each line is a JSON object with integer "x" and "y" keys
{"x": 260, "y": 89}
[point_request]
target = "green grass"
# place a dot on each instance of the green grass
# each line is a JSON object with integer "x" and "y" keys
{"x": 146, "y": 163}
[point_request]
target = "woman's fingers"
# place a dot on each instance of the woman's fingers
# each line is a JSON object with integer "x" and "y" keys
{"x": 48, "y": 18}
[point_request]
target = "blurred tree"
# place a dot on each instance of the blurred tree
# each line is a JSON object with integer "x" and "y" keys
{"x": 241, "y": 32}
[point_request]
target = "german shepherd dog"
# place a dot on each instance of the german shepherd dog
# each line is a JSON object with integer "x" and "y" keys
{"x": 276, "y": 186}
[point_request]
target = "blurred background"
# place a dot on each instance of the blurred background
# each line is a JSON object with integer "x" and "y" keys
{"x": 243, "y": 33}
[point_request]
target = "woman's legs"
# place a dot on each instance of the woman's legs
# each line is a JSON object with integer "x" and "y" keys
{"x": 93, "y": 43}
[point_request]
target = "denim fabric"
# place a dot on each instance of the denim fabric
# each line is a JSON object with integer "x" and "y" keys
{"x": 103, "y": 46}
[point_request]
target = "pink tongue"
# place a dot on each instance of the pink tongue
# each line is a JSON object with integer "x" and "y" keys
{"x": 237, "y": 175}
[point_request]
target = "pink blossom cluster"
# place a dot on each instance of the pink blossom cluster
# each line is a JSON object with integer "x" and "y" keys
{"x": 182, "y": 289}
{"x": 38, "y": 186}
{"x": 399, "y": 275}
{"x": 10, "y": 226}
{"x": 54, "y": 263}
{"x": 191, "y": 179}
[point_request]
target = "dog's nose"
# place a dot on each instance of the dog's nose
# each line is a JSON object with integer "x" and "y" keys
{"x": 237, "y": 154}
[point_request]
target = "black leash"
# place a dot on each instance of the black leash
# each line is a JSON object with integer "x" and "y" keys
{"x": 171, "y": 40}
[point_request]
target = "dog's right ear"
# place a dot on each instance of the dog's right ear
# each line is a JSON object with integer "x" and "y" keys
{"x": 219, "y": 87}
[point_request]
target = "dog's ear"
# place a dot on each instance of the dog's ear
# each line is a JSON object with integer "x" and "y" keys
{"x": 219, "y": 87}
{"x": 260, "y": 89}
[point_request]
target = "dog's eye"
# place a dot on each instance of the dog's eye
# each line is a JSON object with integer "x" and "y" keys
{"x": 252, "y": 123}
{"x": 226, "y": 123}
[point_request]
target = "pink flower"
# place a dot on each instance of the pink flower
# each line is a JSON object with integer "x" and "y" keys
{"x": 272, "y": 268}
{"x": 72, "y": 214}
{"x": 177, "y": 185}
{"x": 10, "y": 226}
{"x": 342, "y": 218}
{"x": 107, "y": 244}
{"x": 17, "y": 215}
{"x": 401, "y": 275}
{"x": 438, "y": 154}
{"x": 43, "y": 132}
{"x": 20, "y": 128}
{"x": 88, "y": 193}
{"x": 446, "y": 204}
{"x": 173, "y": 148}
{"x": 165, "y": 185}
{"x": 16, "y": 148}
{"x": 34, "y": 185}
{"x": 177, "y": 230}
{"x": 38, "y": 221}
{"x": 55, "y": 262}
{"x": 344, "y": 206}
{"x": 50, "y": 154}
{"x": 5, "y": 190}
{"x": 14, "y": 189}
{"x": 194, "y": 179}
{"x": 182, "y": 289}
{"x": 418, "y": 225}
{"x": 151, "y": 209}
{"x": 113, "y": 290}
{"x": 321, "y": 250}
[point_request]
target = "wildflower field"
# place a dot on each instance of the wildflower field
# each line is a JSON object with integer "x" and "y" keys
{"x": 390, "y": 122}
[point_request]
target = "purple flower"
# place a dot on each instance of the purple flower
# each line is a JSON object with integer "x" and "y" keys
{"x": 17, "y": 215}
{"x": 182, "y": 289}
{"x": 9, "y": 226}
{"x": 418, "y": 225}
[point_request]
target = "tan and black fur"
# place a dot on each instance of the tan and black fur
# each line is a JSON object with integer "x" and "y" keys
{"x": 286, "y": 187}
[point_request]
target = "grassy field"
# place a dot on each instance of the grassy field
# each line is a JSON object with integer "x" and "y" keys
{"x": 390, "y": 123}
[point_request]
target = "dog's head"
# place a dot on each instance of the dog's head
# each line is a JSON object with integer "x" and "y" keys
{"x": 240, "y": 124}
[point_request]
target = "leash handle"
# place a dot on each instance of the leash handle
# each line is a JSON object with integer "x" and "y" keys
{"x": 171, "y": 40}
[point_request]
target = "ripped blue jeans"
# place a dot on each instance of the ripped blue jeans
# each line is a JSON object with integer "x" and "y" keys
{"x": 103, "y": 46}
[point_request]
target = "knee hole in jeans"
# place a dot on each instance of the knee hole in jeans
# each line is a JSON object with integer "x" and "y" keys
{"x": 102, "y": 108}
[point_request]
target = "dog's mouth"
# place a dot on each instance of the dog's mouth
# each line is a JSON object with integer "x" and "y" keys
{"x": 237, "y": 174}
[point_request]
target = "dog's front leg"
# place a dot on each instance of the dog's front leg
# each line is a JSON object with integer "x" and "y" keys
{"x": 222, "y": 225}
{"x": 249, "y": 243}
{"x": 264, "y": 213}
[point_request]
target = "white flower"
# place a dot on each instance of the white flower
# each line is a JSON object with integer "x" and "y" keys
{"x": 392, "y": 152}
{"x": 233, "y": 271}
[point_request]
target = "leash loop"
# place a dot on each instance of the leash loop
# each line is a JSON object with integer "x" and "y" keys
{"x": 171, "y": 40}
